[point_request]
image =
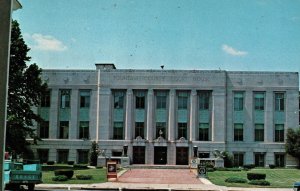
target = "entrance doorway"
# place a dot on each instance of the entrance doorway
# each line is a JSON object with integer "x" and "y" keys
{"x": 160, "y": 155}
{"x": 182, "y": 156}
{"x": 138, "y": 155}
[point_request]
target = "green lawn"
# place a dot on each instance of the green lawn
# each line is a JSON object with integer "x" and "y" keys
{"x": 280, "y": 178}
{"x": 99, "y": 175}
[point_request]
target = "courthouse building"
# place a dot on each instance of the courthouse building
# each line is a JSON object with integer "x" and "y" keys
{"x": 162, "y": 114}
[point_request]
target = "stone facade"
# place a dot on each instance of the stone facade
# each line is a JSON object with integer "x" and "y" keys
{"x": 162, "y": 114}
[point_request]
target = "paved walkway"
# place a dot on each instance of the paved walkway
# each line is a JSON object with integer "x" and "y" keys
{"x": 149, "y": 179}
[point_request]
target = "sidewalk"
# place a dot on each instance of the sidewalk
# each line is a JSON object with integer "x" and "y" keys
{"x": 154, "y": 179}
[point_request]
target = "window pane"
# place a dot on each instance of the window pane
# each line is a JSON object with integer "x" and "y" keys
{"x": 182, "y": 100}
{"x": 238, "y": 132}
{"x": 238, "y": 101}
{"x": 140, "y": 100}
{"x": 139, "y": 129}
{"x": 45, "y": 99}
{"x": 279, "y": 133}
{"x": 65, "y": 98}
{"x": 64, "y": 130}
{"x": 85, "y": 98}
{"x": 44, "y": 129}
{"x": 161, "y": 129}
{"x": 119, "y": 99}
{"x": 238, "y": 159}
{"x": 118, "y": 130}
{"x": 83, "y": 130}
{"x": 182, "y": 130}
{"x": 161, "y": 100}
{"x": 204, "y": 100}
{"x": 279, "y": 101}
{"x": 259, "y": 101}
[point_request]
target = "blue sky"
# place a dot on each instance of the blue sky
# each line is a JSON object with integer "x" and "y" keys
{"x": 255, "y": 35}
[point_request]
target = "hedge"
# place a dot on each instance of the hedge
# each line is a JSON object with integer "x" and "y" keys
{"x": 60, "y": 178}
{"x": 236, "y": 180}
{"x": 83, "y": 177}
{"x": 256, "y": 176}
{"x": 249, "y": 166}
{"x": 71, "y": 162}
{"x": 260, "y": 182}
{"x": 50, "y": 163}
{"x": 68, "y": 173}
{"x": 80, "y": 166}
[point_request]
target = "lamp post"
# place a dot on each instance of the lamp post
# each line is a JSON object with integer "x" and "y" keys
{"x": 195, "y": 149}
{"x": 6, "y": 8}
{"x": 125, "y": 148}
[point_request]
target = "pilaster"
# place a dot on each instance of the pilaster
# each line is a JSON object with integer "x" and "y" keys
{"x": 150, "y": 115}
{"x": 128, "y": 118}
{"x": 73, "y": 130}
{"x": 269, "y": 121}
{"x": 172, "y": 125}
{"x": 248, "y": 116}
{"x": 193, "y": 115}
{"x": 53, "y": 119}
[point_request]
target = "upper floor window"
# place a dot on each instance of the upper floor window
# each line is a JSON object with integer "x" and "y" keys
{"x": 182, "y": 100}
{"x": 65, "y": 97}
{"x": 238, "y": 101}
{"x": 140, "y": 100}
{"x": 45, "y": 99}
{"x": 259, "y": 101}
{"x": 84, "y": 130}
{"x": 279, "y": 132}
{"x": 204, "y": 100}
{"x": 85, "y": 98}
{"x": 64, "y": 130}
{"x": 161, "y": 100}
{"x": 119, "y": 99}
{"x": 44, "y": 129}
{"x": 279, "y": 101}
{"x": 238, "y": 132}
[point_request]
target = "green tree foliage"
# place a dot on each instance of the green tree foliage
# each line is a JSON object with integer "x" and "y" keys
{"x": 24, "y": 92}
{"x": 94, "y": 154}
{"x": 292, "y": 145}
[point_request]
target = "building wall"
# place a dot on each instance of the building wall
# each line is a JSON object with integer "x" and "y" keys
{"x": 221, "y": 116}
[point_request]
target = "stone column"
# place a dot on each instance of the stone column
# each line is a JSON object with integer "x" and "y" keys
{"x": 73, "y": 130}
{"x": 193, "y": 115}
{"x": 150, "y": 115}
{"x": 248, "y": 122}
{"x": 218, "y": 115}
{"x": 269, "y": 121}
{"x": 53, "y": 118}
{"x": 128, "y": 120}
{"x": 172, "y": 125}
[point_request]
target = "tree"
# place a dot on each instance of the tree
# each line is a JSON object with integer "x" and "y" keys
{"x": 24, "y": 92}
{"x": 292, "y": 145}
{"x": 94, "y": 154}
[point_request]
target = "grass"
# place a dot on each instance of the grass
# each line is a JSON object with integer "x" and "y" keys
{"x": 99, "y": 176}
{"x": 279, "y": 178}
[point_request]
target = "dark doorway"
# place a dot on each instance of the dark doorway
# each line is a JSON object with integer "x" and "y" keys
{"x": 160, "y": 155}
{"x": 182, "y": 156}
{"x": 138, "y": 155}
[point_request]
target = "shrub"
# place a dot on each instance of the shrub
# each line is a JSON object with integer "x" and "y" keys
{"x": 222, "y": 169}
{"x": 256, "y": 176}
{"x": 210, "y": 169}
{"x": 260, "y": 182}
{"x": 236, "y": 180}
{"x": 80, "y": 166}
{"x": 68, "y": 173}
{"x": 271, "y": 166}
{"x": 209, "y": 165}
{"x": 84, "y": 177}
{"x": 50, "y": 163}
{"x": 70, "y": 162}
{"x": 234, "y": 169}
{"x": 249, "y": 166}
{"x": 60, "y": 178}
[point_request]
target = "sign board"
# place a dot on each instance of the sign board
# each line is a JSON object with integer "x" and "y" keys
{"x": 202, "y": 171}
{"x": 194, "y": 163}
{"x": 112, "y": 170}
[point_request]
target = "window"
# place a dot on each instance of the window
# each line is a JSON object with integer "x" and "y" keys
{"x": 65, "y": 96}
{"x": 83, "y": 156}
{"x": 203, "y": 155}
{"x": 161, "y": 129}
{"x": 259, "y": 159}
{"x": 182, "y": 130}
{"x": 279, "y": 133}
{"x": 43, "y": 155}
{"x": 182, "y": 100}
{"x": 161, "y": 100}
{"x": 204, "y": 100}
{"x": 259, "y": 132}
{"x": 84, "y": 130}
{"x": 238, "y": 132}
{"x": 85, "y": 98}
{"x": 203, "y": 132}
{"x": 62, "y": 156}
{"x": 238, "y": 101}
{"x": 140, "y": 100}
{"x": 118, "y": 130}
{"x": 45, "y": 99}
{"x": 259, "y": 101}
{"x": 119, "y": 99}
{"x": 279, "y": 160}
{"x": 64, "y": 130}
{"x": 139, "y": 129}
{"x": 279, "y": 101}
{"x": 238, "y": 159}
{"x": 44, "y": 129}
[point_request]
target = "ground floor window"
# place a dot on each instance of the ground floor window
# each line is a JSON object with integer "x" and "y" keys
{"x": 259, "y": 132}
{"x": 259, "y": 159}
{"x": 84, "y": 130}
{"x": 279, "y": 160}
{"x": 83, "y": 156}
{"x": 238, "y": 159}
{"x": 64, "y": 129}
{"x": 203, "y": 155}
{"x": 238, "y": 132}
{"x": 62, "y": 156}
{"x": 43, "y": 155}
{"x": 279, "y": 133}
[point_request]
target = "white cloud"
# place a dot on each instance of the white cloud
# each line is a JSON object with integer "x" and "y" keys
{"x": 232, "y": 51}
{"x": 47, "y": 43}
